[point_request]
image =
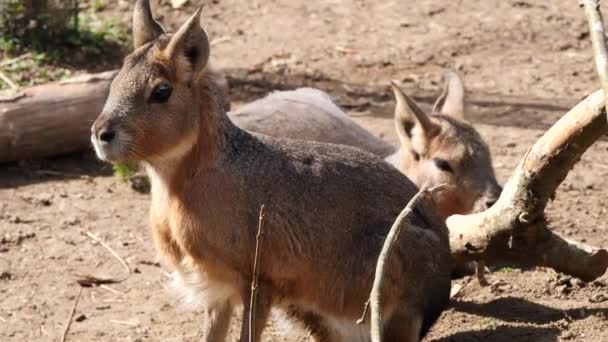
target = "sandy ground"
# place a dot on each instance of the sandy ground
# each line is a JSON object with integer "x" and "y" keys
{"x": 525, "y": 63}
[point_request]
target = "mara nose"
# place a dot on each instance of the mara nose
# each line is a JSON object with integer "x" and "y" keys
{"x": 490, "y": 202}
{"x": 493, "y": 196}
{"x": 106, "y": 135}
{"x": 102, "y": 129}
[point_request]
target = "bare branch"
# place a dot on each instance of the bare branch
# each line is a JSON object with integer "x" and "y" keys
{"x": 387, "y": 248}
{"x": 514, "y": 229}
{"x": 14, "y": 60}
{"x": 8, "y": 81}
{"x": 361, "y": 319}
{"x": 68, "y": 323}
{"x": 598, "y": 40}
{"x": 254, "y": 280}
{"x": 105, "y": 245}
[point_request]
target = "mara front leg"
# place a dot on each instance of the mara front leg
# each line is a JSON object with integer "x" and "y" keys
{"x": 314, "y": 323}
{"x": 259, "y": 314}
{"x": 217, "y": 321}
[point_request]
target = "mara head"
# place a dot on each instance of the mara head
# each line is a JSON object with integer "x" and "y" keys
{"x": 153, "y": 108}
{"x": 442, "y": 148}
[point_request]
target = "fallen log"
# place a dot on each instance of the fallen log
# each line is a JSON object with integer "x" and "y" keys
{"x": 52, "y": 119}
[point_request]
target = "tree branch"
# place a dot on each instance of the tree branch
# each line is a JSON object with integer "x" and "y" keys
{"x": 254, "y": 280}
{"x": 385, "y": 254}
{"x": 514, "y": 229}
{"x": 598, "y": 40}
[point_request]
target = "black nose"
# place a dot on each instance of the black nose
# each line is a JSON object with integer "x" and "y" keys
{"x": 106, "y": 135}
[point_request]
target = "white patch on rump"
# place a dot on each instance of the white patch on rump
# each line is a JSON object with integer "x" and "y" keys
{"x": 194, "y": 289}
{"x": 349, "y": 330}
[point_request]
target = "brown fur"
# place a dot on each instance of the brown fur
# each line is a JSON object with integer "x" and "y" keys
{"x": 328, "y": 207}
{"x": 309, "y": 114}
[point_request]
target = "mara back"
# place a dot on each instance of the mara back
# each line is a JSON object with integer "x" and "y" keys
{"x": 440, "y": 148}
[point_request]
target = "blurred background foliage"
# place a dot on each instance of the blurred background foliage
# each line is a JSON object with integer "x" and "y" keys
{"x": 58, "y": 36}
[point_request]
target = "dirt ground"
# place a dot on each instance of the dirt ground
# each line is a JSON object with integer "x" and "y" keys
{"x": 525, "y": 63}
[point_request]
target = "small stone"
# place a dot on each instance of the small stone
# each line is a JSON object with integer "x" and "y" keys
{"x": 568, "y": 335}
{"x": 81, "y": 318}
{"x": 140, "y": 183}
{"x": 565, "y": 281}
{"x": 598, "y": 298}
{"x": 563, "y": 289}
{"x": 578, "y": 282}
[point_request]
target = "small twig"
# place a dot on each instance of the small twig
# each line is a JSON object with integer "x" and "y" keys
{"x": 2, "y": 319}
{"x": 61, "y": 174}
{"x": 68, "y": 323}
{"x": 13, "y": 60}
{"x": 480, "y": 269}
{"x": 123, "y": 322}
{"x": 361, "y": 319}
{"x": 220, "y": 40}
{"x": 8, "y": 81}
{"x": 389, "y": 243}
{"x": 121, "y": 260}
{"x": 109, "y": 289}
{"x": 598, "y": 40}
{"x": 88, "y": 280}
{"x": 254, "y": 280}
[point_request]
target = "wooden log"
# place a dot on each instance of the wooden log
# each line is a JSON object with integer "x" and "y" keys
{"x": 52, "y": 119}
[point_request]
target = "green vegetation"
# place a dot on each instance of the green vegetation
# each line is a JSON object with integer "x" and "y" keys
{"x": 124, "y": 171}
{"x": 59, "y": 36}
{"x": 485, "y": 322}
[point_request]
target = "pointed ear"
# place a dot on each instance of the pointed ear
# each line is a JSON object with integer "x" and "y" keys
{"x": 145, "y": 28}
{"x": 408, "y": 115}
{"x": 453, "y": 96}
{"x": 191, "y": 43}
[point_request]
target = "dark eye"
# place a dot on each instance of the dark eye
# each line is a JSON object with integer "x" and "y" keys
{"x": 161, "y": 93}
{"x": 416, "y": 155}
{"x": 443, "y": 165}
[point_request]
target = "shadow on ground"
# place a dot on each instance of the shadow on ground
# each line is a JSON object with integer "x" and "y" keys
{"x": 504, "y": 334}
{"x": 519, "y": 310}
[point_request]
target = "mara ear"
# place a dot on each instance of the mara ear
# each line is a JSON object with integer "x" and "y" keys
{"x": 145, "y": 28}
{"x": 190, "y": 44}
{"x": 408, "y": 115}
{"x": 452, "y": 98}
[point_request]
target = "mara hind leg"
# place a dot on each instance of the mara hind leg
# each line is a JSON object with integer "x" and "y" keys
{"x": 403, "y": 327}
{"x": 313, "y": 323}
{"x": 260, "y": 312}
{"x": 412, "y": 320}
{"x": 217, "y": 321}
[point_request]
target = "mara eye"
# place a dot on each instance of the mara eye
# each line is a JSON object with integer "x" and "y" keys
{"x": 416, "y": 155}
{"x": 443, "y": 165}
{"x": 161, "y": 93}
